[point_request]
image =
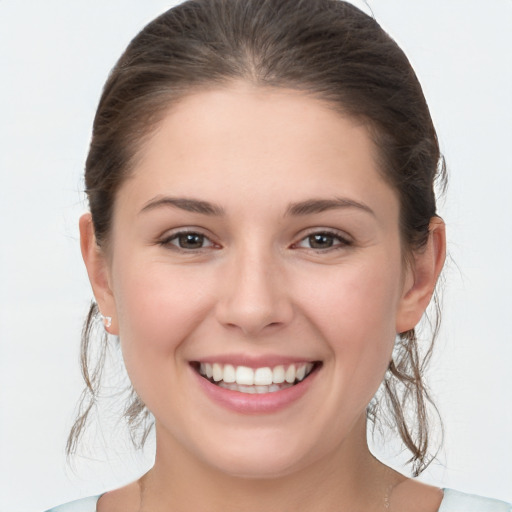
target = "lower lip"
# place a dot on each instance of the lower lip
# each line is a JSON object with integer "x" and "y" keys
{"x": 264, "y": 403}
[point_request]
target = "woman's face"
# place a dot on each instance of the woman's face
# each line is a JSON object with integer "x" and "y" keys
{"x": 256, "y": 235}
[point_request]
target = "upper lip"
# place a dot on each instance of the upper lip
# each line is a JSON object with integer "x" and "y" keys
{"x": 254, "y": 361}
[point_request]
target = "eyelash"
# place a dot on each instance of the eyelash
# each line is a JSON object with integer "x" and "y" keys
{"x": 168, "y": 241}
{"x": 333, "y": 237}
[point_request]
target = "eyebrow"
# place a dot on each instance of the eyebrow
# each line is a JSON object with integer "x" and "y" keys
{"x": 312, "y": 206}
{"x": 183, "y": 203}
{"x": 308, "y": 207}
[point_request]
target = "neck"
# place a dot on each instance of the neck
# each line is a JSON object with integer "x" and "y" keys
{"x": 349, "y": 478}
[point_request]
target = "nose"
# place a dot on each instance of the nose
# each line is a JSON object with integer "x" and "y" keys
{"x": 254, "y": 296}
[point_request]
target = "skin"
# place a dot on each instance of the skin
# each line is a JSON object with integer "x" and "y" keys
{"x": 257, "y": 286}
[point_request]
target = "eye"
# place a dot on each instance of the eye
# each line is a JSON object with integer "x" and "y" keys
{"x": 188, "y": 241}
{"x": 323, "y": 240}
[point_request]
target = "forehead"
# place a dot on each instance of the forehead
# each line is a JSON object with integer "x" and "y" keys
{"x": 256, "y": 141}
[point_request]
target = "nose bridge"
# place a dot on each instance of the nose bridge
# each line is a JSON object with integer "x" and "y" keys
{"x": 254, "y": 296}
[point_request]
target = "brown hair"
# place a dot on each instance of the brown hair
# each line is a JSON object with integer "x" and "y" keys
{"x": 327, "y": 48}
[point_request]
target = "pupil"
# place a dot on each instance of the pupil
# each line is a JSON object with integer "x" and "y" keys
{"x": 191, "y": 241}
{"x": 320, "y": 241}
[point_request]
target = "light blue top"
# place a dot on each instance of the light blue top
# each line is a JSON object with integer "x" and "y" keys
{"x": 83, "y": 505}
{"x": 453, "y": 501}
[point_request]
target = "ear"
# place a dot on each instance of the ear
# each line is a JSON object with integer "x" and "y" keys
{"x": 421, "y": 277}
{"x": 98, "y": 270}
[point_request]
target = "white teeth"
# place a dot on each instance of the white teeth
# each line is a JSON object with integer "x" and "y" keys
{"x": 263, "y": 376}
{"x": 218, "y": 372}
{"x": 244, "y": 376}
{"x": 258, "y": 380}
{"x": 278, "y": 375}
{"x": 229, "y": 373}
{"x": 289, "y": 376}
{"x": 253, "y": 389}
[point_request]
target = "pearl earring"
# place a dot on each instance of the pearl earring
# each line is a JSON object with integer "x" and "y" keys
{"x": 107, "y": 321}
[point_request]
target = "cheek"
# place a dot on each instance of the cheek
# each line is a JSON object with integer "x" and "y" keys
{"x": 355, "y": 309}
{"x": 359, "y": 291}
{"x": 352, "y": 310}
{"x": 158, "y": 306}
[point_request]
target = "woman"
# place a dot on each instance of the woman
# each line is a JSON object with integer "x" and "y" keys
{"x": 263, "y": 239}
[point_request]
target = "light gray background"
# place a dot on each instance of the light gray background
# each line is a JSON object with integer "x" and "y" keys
{"x": 54, "y": 58}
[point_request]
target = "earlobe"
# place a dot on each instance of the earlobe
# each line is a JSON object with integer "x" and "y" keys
{"x": 424, "y": 272}
{"x": 98, "y": 272}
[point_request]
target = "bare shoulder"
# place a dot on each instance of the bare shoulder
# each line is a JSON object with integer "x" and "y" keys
{"x": 124, "y": 499}
{"x": 413, "y": 496}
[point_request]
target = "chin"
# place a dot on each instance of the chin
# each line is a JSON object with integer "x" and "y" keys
{"x": 267, "y": 459}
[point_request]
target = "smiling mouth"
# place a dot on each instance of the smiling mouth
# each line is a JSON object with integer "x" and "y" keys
{"x": 255, "y": 380}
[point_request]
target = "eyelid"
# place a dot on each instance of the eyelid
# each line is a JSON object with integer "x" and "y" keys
{"x": 343, "y": 238}
{"x": 169, "y": 236}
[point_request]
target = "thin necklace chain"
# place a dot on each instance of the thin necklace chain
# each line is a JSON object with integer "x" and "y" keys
{"x": 387, "y": 496}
